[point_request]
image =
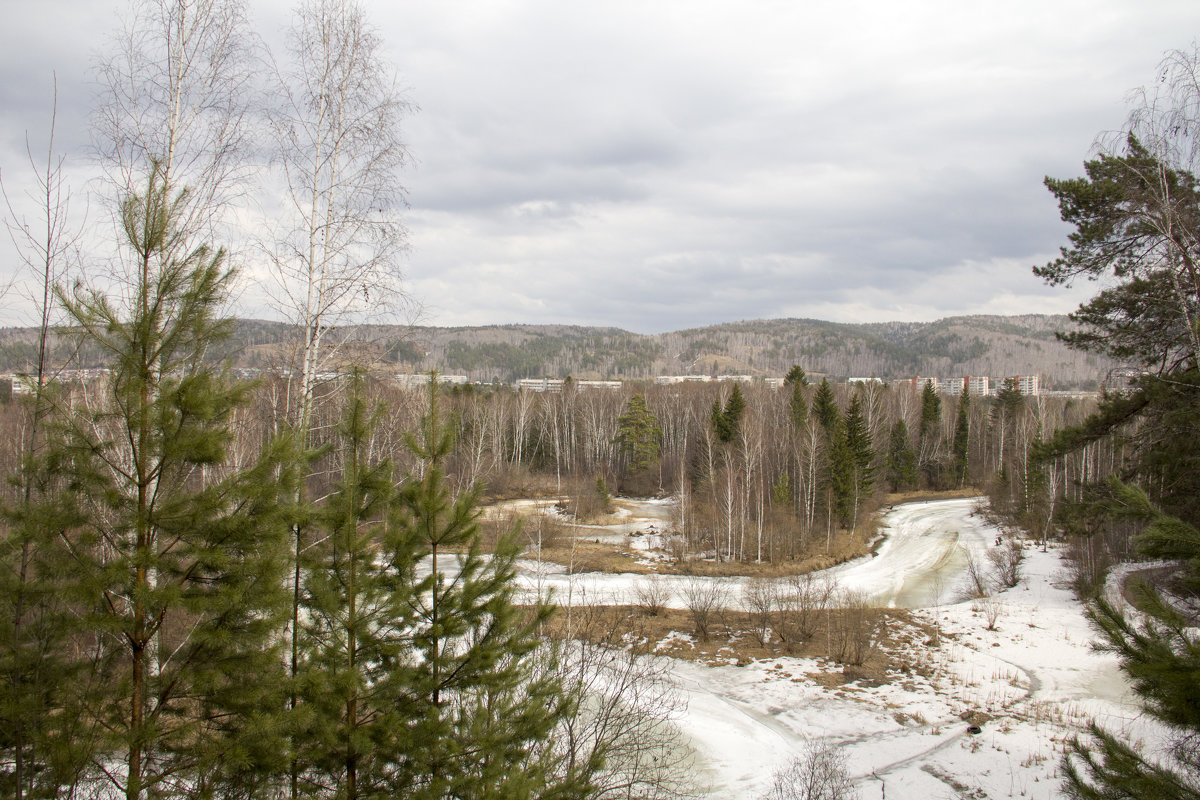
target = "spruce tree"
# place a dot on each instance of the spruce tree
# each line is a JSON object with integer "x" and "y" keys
{"x": 795, "y": 376}
{"x": 638, "y": 434}
{"x": 901, "y": 459}
{"x": 797, "y": 407}
{"x": 962, "y": 438}
{"x": 851, "y": 464}
{"x": 176, "y": 549}
{"x": 824, "y": 407}
{"x": 931, "y": 417}
{"x": 726, "y": 421}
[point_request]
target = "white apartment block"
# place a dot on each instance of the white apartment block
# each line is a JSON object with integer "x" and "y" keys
{"x": 665, "y": 380}
{"x": 1027, "y": 384}
{"x": 549, "y": 385}
{"x": 977, "y": 385}
{"x": 413, "y": 381}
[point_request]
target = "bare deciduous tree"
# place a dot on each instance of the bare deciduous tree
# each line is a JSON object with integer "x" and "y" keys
{"x": 761, "y": 597}
{"x": 803, "y": 607}
{"x": 651, "y": 595}
{"x": 1006, "y": 562}
{"x": 336, "y": 256}
{"x": 176, "y": 96}
{"x": 624, "y": 733}
{"x": 703, "y": 597}
{"x": 818, "y": 773}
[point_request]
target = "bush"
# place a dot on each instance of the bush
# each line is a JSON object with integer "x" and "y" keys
{"x": 818, "y": 773}
{"x": 854, "y": 627}
{"x": 703, "y": 597}
{"x": 651, "y": 595}
{"x": 1006, "y": 562}
{"x": 761, "y": 597}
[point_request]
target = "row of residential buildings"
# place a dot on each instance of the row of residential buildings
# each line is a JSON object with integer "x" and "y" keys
{"x": 976, "y": 385}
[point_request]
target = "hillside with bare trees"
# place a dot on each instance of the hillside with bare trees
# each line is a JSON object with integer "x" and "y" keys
{"x": 955, "y": 346}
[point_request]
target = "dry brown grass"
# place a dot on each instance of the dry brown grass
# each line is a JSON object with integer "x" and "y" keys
{"x": 584, "y": 555}
{"x": 894, "y": 498}
{"x": 734, "y": 640}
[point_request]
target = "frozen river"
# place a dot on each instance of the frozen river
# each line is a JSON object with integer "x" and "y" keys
{"x": 920, "y": 562}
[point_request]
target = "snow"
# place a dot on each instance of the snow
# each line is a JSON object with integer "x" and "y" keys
{"x": 1036, "y": 676}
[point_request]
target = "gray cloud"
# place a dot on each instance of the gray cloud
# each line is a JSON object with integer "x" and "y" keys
{"x": 664, "y": 165}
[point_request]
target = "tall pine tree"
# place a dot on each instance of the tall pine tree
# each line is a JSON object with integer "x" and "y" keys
{"x": 176, "y": 547}
{"x": 358, "y": 598}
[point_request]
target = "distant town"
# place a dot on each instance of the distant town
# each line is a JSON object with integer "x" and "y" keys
{"x": 976, "y": 385}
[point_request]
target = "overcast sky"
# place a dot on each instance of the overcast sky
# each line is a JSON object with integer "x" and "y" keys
{"x": 662, "y": 165}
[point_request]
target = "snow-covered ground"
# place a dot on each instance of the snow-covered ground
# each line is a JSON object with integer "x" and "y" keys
{"x": 1035, "y": 677}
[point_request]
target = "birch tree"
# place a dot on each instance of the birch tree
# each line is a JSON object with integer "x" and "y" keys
{"x": 339, "y": 152}
{"x": 176, "y": 93}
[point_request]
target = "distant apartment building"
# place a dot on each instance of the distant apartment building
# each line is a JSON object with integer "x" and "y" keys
{"x": 977, "y": 385}
{"x": 610, "y": 385}
{"x": 1121, "y": 379}
{"x": 547, "y": 385}
{"x": 916, "y": 383}
{"x": 666, "y": 380}
{"x": 1027, "y": 384}
{"x": 418, "y": 379}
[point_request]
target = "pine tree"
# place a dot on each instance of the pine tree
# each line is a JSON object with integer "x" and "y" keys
{"x": 1135, "y": 220}
{"x": 44, "y": 749}
{"x": 177, "y": 550}
{"x": 477, "y": 704}
{"x": 1161, "y": 657}
{"x": 358, "y": 599}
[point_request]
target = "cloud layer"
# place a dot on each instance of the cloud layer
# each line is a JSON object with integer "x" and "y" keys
{"x": 664, "y": 165}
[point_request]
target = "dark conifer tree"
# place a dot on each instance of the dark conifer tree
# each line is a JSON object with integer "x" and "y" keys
{"x": 901, "y": 459}
{"x": 851, "y": 464}
{"x": 962, "y": 438}
{"x": 358, "y": 600}
{"x": 824, "y": 407}
{"x": 177, "y": 549}
{"x": 638, "y": 434}
{"x": 477, "y": 705}
{"x": 931, "y": 417}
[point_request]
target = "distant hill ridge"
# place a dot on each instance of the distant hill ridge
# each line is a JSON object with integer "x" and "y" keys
{"x": 952, "y": 347}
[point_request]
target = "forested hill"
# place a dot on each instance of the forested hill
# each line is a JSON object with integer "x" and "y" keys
{"x": 951, "y": 347}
